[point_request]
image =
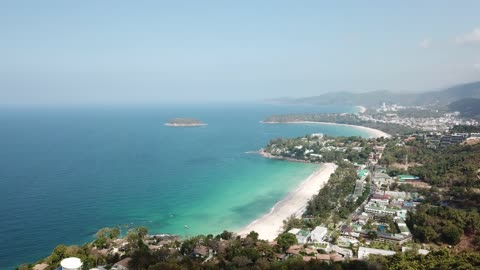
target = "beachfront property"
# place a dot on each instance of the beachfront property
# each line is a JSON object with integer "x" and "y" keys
{"x": 364, "y": 252}
{"x": 301, "y": 235}
{"x": 318, "y": 234}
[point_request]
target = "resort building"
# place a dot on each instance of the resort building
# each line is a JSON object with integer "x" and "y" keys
{"x": 301, "y": 235}
{"x": 318, "y": 234}
{"x": 452, "y": 139}
{"x": 379, "y": 210}
{"x": 364, "y": 252}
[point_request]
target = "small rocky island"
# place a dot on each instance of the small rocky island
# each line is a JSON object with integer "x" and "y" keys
{"x": 185, "y": 122}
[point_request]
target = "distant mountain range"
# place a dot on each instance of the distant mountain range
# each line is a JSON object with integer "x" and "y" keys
{"x": 442, "y": 97}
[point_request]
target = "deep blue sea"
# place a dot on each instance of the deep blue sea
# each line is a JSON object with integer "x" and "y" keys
{"x": 67, "y": 172}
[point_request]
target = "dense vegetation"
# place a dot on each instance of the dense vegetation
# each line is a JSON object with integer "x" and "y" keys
{"x": 452, "y": 166}
{"x": 330, "y": 201}
{"x": 290, "y": 150}
{"x": 468, "y": 107}
{"x": 349, "y": 119}
{"x": 465, "y": 128}
{"x": 443, "y": 224}
{"x": 455, "y": 165}
{"x": 437, "y": 260}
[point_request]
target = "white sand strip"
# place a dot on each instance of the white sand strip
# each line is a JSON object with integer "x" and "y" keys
{"x": 373, "y": 133}
{"x": 361, "y": 109}
{"x": 270, "y": 225}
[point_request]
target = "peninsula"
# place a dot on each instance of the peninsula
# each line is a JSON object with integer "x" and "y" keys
{"x": 185, "y": 122}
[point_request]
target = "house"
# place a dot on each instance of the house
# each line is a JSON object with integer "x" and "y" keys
{"x": 301, "y": 235}
{"x": 364, "y": 252}
{"x": 307, "y": 258}
{"x": 311, "y": 251}
{"x": 122, "y": 265}
{"x": 345, "y": 229}
{"x": 419, "y": 251}
{"x": 335, "y": 257}
{"x": 323, "y": 257}
{"x": 382, "y": 202}
{"x": 318, "y": 234}
{"x": 200, "y": 251}
{"x": 294, "y": 250}
{"x": 362, "y": 218}
{"x": 402, "y": 226}
{"x": 280, "y": 257}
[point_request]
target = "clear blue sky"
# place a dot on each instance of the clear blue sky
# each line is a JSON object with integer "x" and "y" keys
{"x": 159, "y": 51}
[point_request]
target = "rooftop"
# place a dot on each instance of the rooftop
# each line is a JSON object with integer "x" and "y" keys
{"x": 71, "y": 263}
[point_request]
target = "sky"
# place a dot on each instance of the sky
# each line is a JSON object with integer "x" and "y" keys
{"x": 62, "y": 52}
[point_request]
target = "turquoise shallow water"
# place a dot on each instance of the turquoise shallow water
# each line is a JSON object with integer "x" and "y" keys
{"x": 66, "y": 172}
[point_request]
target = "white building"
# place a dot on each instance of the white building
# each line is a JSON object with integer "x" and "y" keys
{"x": 318, "y": 233}
{"x": 301, "y": 235}
{"x": 71, "y": 263}
{"x": 364, "y": 252}
{"x": 419, "y": 251}
{"x": 381, "y": 202}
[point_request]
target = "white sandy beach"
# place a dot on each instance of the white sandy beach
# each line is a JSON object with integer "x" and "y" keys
{"x": 373, "y": 133}
{"x": 270, "y": 225}
{"x": 361, "y": 109}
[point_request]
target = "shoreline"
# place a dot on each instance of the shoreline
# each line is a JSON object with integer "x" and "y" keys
{"x": 361, "y": 109}
{"x": 270, "y": 225}
{"x": 373, "y": 133}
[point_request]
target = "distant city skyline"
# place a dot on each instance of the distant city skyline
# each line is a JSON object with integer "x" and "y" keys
{"x": 63, "y": 52}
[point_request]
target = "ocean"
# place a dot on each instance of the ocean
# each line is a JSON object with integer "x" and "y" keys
{"x": 66, "y": 172}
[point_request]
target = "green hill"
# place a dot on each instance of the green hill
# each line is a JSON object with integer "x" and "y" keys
{"x": 468, "y": 107}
